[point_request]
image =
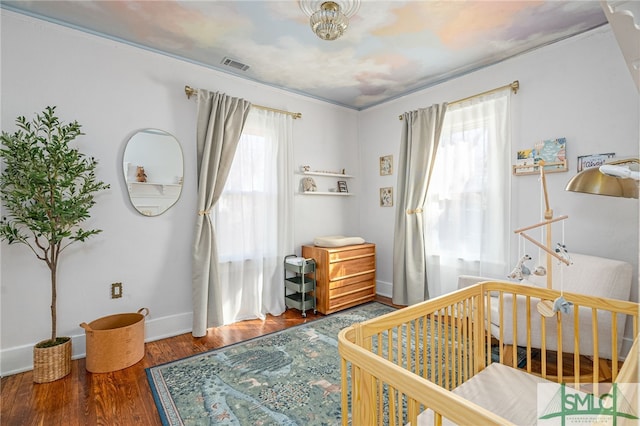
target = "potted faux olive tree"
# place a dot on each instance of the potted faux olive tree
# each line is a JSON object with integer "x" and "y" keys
{"x": 47, "y": 188}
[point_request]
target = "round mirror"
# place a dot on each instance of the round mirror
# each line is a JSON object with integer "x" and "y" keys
{"x": 153, "y": 171}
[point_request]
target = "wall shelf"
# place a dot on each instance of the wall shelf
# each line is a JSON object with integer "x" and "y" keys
{"x": 340, "y": 176}
{"x": 325, "y": 193}
{"x": 325, "y": 174}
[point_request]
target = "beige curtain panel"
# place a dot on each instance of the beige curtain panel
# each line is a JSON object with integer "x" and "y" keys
{"x": 221, "y": 119}
{"x": 418, "y": 145}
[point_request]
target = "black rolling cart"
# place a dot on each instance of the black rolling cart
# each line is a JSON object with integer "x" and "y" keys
{"x": 300, "y": 283}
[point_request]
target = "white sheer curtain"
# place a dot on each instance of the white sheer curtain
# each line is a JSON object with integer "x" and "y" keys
{"x": 254, "y": 219}
{"x": 467, "y": 209}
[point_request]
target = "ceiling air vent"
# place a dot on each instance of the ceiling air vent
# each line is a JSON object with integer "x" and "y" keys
{"x": 235, "y": 64}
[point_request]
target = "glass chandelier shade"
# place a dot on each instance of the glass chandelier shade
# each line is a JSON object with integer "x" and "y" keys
{"x": 329, "y": 19}
{"x": 329, "y": 22}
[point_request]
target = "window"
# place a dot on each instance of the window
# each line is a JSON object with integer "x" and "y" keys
{"x": 467, "y": 208}
{"x": 247, "y": 203}
{"x": 253, "y": 219}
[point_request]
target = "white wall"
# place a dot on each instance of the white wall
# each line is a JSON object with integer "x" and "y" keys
{"x": 114, "y": 90}
{"x": 578, "y": 88}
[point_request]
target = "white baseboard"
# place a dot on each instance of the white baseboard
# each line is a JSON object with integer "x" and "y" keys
{"x": 20, "y": 358}
{"x": 384, "y": 289}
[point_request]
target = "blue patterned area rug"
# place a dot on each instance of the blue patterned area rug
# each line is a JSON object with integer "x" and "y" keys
{"x": 290, "y": 377}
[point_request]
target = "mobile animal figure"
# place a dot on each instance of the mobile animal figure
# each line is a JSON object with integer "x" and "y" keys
{"x": 520, "y": 269}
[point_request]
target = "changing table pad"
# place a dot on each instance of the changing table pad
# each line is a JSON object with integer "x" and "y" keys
{"x": 337, "y": 241}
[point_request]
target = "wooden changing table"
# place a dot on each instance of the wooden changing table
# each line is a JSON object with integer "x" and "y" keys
{"x": 346, "y": 276}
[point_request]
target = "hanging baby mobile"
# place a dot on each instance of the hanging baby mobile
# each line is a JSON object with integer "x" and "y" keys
{"x": 521, "y": 270}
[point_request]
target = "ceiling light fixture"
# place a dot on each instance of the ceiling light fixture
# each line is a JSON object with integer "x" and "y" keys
{"x": 329, "y": 19}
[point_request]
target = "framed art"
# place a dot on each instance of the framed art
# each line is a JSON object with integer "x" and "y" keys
{"x": 342, "y": 186}
{"x": 594, "y": 160}
{"x": 386, "y": 197}
{"x": 386, "y": 165}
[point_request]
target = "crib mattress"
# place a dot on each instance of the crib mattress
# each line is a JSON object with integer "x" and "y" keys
{"x": 503, "y": 390}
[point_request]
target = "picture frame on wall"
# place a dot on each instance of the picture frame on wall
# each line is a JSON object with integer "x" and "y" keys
{"x": 386, "y": 197}
{"x": 594, "y": 160}
{"x": 342, "y": 186}
{"x": 386, "y": 165}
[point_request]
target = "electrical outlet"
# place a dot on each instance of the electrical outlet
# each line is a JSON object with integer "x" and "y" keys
{"x": 116, "y": 290}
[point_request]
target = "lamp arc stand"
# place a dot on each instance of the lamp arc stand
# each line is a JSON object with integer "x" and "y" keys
{"x": 545, "y": 307}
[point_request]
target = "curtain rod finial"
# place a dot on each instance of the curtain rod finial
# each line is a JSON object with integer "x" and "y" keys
{"x": 189, "y": 91}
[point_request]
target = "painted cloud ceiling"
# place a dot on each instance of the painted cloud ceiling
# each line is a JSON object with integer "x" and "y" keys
{"x": 391, "y": 48}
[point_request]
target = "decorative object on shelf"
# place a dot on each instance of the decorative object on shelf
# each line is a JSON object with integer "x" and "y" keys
{"x": 342, "y": 186}
{"x": 593, "y": 160}
{"x": 141, "y": 176}
{"x": 305, "y": 168}
{"x": 386, "y": 197}
{"x": 309, "y": 185}
{"x": 386, "y": 165}
{"x": 329, "y": 19}
{"x": 47, "y": 188}
{"x": 553, "y": 152}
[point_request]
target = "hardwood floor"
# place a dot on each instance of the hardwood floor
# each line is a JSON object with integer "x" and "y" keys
{"x": 121, "y": 397}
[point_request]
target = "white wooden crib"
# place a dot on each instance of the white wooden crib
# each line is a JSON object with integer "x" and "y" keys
{"x": 436, "y": 362}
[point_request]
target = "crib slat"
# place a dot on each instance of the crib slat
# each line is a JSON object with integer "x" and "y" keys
{"x": 487, "y": 355}
{"x": 514, "y": 321}
{"x": 543, "y": 345}
{"x": 614, "y": 346}
{"x": 460, "y": 345}
{"x": 596, "y": 345}
{"x": 501, "y": 323}
{"x": 344, "y": 397}
{"x": 399, "y": 344}
{"x": 423, "y": 367}
{"x": 413, "y": 411}
{"x": 432, "y": 328}
{"x": 576, "y": 345}
{"x": 528, "y": 310}
{"x": 559, "y": 350}
{"x": 447, "y": 348}
{"x": 467, "y": 358}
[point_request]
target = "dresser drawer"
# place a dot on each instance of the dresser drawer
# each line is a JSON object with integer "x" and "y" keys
{"x": 355, "y": 266}
{"x": 353, "y": 295}
{"x": 353, "y": 280}
{"x": 352, "y": 253}
{"x": 362, "y": 287}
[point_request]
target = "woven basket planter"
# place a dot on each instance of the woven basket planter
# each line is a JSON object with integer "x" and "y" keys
{"x": 115, "y": 342}
{"x": 51, "y": 363}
